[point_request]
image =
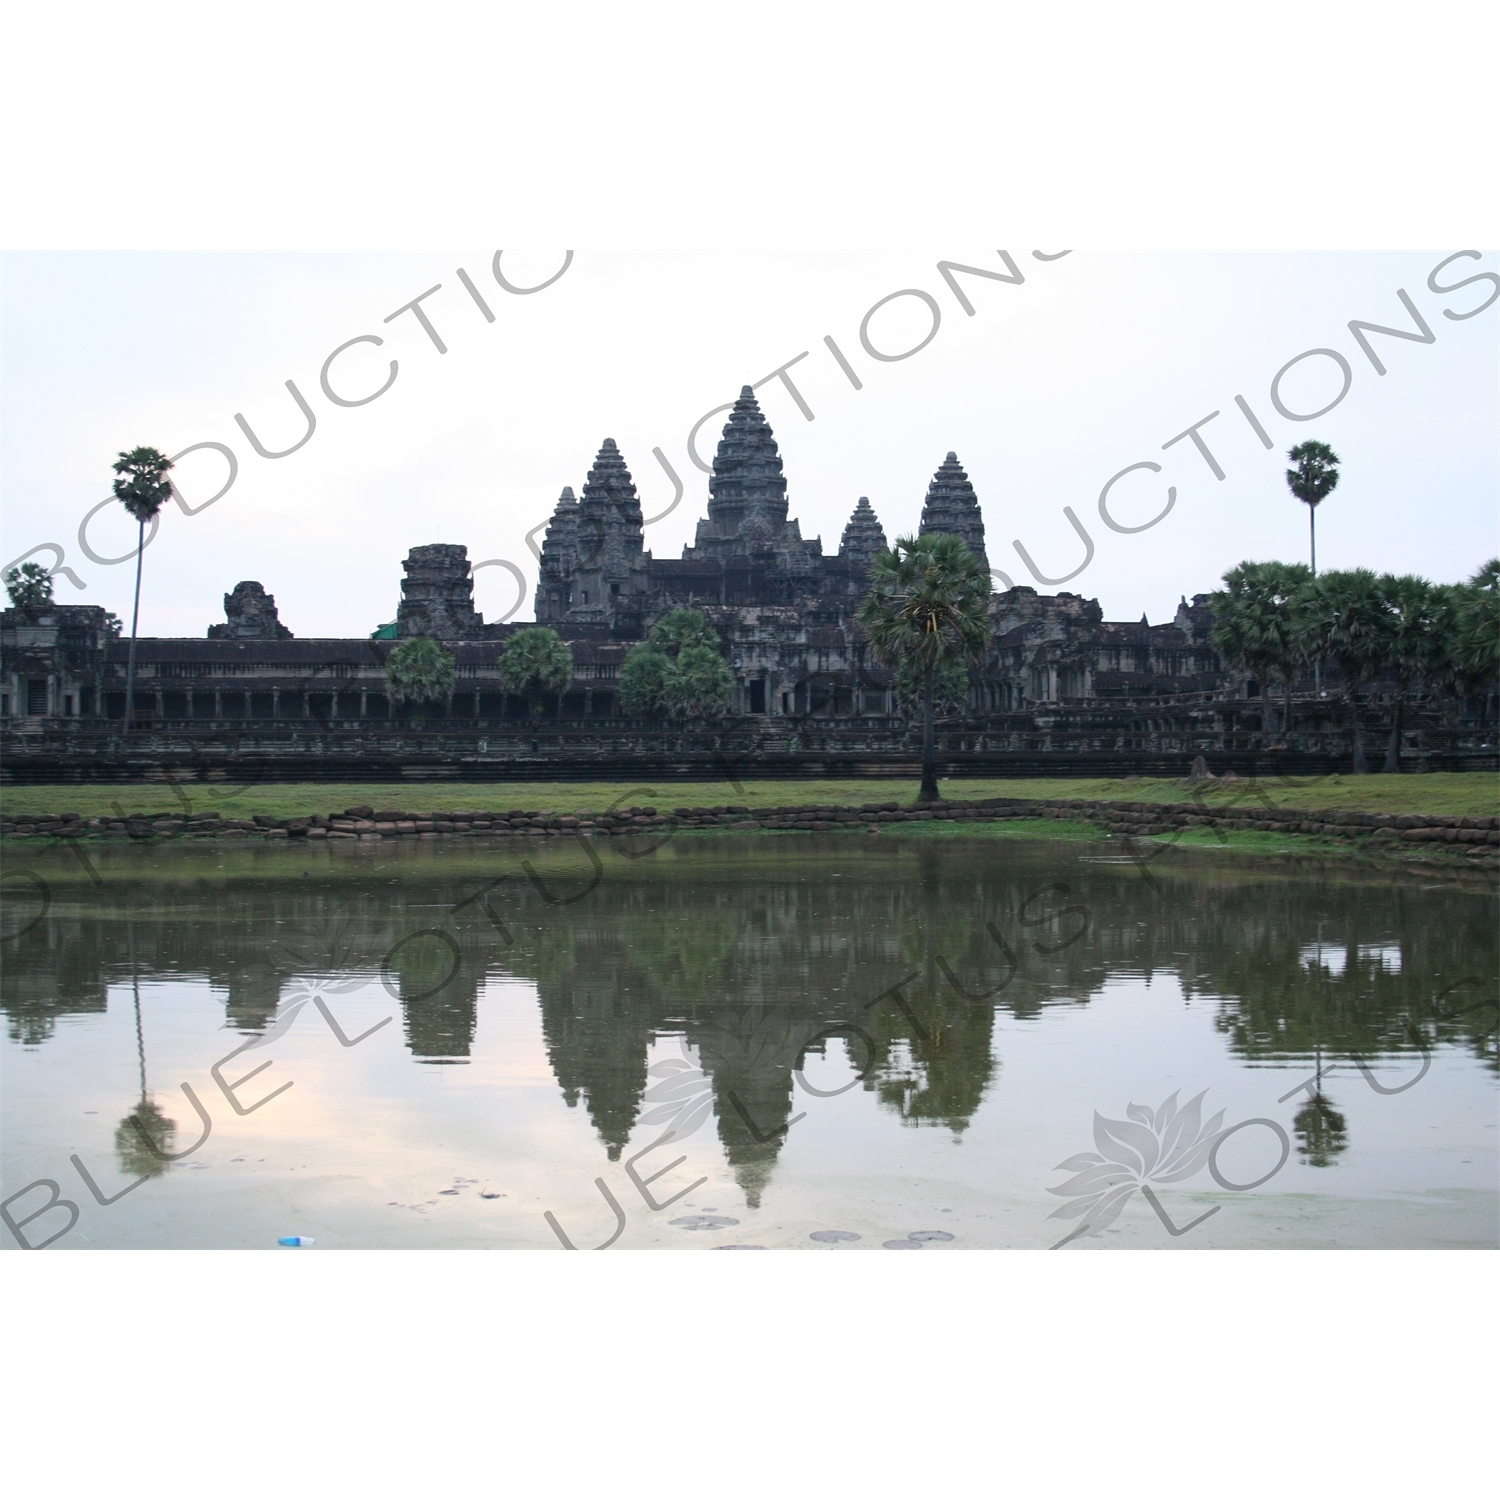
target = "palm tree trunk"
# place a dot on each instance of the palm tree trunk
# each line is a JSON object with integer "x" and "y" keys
{"x": 1312, "y": 537}
{"x": 1267, "y": 702}
{"x": 135, "y": 620}
{"x": 135, "y": 984}
{"x": 1393, "y": 750}
{"x": 1358, "y": 768}
{"x": 1286, "y": 708}
{"x": 929, "y": 788}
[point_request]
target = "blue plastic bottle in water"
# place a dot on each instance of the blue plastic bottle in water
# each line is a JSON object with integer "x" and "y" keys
{"x": 296, "y": 1239}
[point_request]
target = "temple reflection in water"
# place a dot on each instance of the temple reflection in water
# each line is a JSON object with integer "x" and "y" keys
{"x": 752, "y": 964}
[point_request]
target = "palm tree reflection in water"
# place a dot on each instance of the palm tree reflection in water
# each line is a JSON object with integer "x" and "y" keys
{"x": 146, "y": 1125}
{"x": 1320, "y": 1128}
{"x": 748, "y": 957}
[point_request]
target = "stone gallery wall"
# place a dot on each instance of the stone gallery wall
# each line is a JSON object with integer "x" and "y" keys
{"x": 1057, "y": 681}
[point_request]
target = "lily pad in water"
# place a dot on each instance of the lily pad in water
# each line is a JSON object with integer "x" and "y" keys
{"x": 832, "y": 1236}
{"x": 929, "y": 1234}
{"x": 705, "y": 1221}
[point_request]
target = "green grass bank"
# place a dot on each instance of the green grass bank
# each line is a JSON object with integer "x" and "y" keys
{"x": 1455, "y": 794}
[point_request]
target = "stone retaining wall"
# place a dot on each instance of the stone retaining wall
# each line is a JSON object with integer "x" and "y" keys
{"x": 1136, "y": 819}
{"x": 813, "y": 754}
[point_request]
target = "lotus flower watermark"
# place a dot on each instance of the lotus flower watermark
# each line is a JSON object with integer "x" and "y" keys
{"x": 336, "y": 964}
{"x": 1168, "y": 1144}
{"x": 683, "y": 1096}
{"x": 682, "y": 1091}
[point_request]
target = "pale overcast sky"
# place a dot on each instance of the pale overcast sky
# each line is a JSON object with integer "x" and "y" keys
{"x": 1050, "y": 388}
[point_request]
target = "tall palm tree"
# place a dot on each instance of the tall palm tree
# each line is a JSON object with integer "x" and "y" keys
{"x": 420, "y": 670}
{"x": 1474, "y": 644}
{"x": 699, "y": 684}
{"x": 142, "y": 488}
{"x": 1414, "y": 608}
{"x": 674, "y": 632}
{"x": 1255, "y": 623}
{"x": 927, "y": 609}
{"x": 643, "y": 681}
{"x": 679, "y": 669}
{"x": 1312, "y": 482}
{"x": 1293, "y": 585}
{"x": 1348, "y": 618}
{"x": 29, "y": 586}
{"x": 536, "y": 660}
{"x": 147, "y": 1124}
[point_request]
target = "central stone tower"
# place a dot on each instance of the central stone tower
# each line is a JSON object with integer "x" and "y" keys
{"x": 747, "y": 505}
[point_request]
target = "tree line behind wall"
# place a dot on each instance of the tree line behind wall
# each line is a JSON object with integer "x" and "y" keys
{"x": 1277, "y": 620}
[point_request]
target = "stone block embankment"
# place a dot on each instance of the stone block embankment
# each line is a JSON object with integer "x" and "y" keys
{"x": 1145, "y": 819}
{"x": 1481, "y": 835}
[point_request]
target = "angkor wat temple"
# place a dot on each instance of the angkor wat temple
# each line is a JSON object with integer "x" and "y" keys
{"x": 1058, "y": 678}
{"x": 785, "y": 610}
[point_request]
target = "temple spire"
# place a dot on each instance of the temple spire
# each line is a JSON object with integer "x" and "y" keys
{"x": 952, "y": 508}
{"x": 609, "y": 488}
{"x": 747, "y": 483}
{"x": 863, "y": 536}
{"x": 747, "y": 506}
{"x": 559, "y": 559}
{"x": 560, "y": 545}
{"x": 609, "y": 515}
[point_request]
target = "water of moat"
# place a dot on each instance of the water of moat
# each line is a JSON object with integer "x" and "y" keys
{"x": 744, "y": 1040}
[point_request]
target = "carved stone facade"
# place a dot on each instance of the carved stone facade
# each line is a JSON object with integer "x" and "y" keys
{"x": 783, "y": 609}
{"x": 52, "y": 661}
{"x": 952, "y": 508}
{"x": 437, "y": 594}
{"x": 863, "y": 536}
{"x": 251, "y": 613}
{"x": 747, "y": 551}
